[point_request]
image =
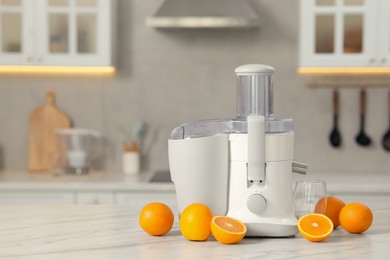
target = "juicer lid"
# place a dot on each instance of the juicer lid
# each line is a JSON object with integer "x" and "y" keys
{"x": 211, "y": 127}
{"x": 254, "y": 69}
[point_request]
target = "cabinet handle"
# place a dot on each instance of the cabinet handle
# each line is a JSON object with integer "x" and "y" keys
{"x": 29, "y": 59}
{"x": 40, "y": 59}
{"x": 372, "y": 60}
{"x": 383, "y": 60}
{"x": 95, "y": 200}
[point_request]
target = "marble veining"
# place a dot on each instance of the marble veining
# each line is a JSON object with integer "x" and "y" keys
{"x": 112, "y": 232}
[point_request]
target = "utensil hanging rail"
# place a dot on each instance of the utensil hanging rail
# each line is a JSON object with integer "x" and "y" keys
{"x": 348, "y": 82}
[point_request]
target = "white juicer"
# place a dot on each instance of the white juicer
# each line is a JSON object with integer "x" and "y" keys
{"x": 240, "y": 167}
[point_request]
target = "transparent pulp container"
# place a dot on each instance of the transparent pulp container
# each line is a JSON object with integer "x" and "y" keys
{"x": 255, "y": 90}
{"x": 78, "y": 149}
{"x": 199, "y": 151}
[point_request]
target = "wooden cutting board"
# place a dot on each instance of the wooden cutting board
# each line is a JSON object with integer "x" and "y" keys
{"x": 43, "y": 145}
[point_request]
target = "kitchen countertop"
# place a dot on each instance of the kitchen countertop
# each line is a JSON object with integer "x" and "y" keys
{"x": 346, "y": 182}
{"x": 100, "y": 181}
{"x": 112, "y": 232}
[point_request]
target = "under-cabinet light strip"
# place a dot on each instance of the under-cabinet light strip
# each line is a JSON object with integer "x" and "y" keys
{"x": 344, "y": 71}
{"x": 57, "y": 70}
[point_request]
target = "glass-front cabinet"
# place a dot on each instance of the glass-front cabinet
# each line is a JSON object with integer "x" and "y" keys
{"x": 13, "y": 32}
{"x": 384, "y": 32}
{"x": 342, "y": 33}
{"x": 56, "y": 32}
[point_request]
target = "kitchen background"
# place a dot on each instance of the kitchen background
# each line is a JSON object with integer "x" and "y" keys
{"x": 169, "y": 77}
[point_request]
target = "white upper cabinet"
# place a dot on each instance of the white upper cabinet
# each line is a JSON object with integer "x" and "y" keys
{"x": 344, "y": 33}
{"x": 383, "y": 28}
{"x": 56, "y": 32}
{"x": 14, "y": 36}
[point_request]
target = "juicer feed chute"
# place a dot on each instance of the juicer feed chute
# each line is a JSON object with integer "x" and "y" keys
{"x": 240, "y": 167}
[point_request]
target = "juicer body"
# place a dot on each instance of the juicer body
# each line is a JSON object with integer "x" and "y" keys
{"x": 240, "y": 167}
{"x": 265, "y": 206}
{"x": 200, "y": 171}
{"x": 214, "y": 171}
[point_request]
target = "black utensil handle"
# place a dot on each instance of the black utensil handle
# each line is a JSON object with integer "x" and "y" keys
{"x": 335, "y": 122}
{"x": 389, "y": 103}
{"x": 362, "y": 122}
{"x": 335, "y": 102}
{"x": 362, "y": 102}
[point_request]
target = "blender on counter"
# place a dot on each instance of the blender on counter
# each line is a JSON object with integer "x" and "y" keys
{"x": 78, "y": 149}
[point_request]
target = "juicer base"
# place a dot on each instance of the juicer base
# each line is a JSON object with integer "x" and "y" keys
{"x": 270, "y": 230}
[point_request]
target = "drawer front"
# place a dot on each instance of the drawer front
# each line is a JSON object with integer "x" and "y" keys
{"x": 372, "y": 201}
{"x": 95, "y": 198}
{"x": 36, "y": 197}
{"x": 137, "y": 201}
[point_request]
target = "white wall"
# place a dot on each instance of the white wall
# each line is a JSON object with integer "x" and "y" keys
{"x": 170, "y": 77}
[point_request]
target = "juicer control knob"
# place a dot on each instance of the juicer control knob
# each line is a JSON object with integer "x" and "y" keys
{"x": 256, "y": 204}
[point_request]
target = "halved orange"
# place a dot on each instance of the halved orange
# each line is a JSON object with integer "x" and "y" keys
{"x": 227, "y": 230}
{"x": 315, "y": 227}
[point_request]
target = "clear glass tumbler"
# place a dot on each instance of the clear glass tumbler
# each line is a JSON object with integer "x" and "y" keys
{"x": 310, "y": 197}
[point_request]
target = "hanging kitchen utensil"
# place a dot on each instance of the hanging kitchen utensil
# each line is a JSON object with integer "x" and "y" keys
{"x": 386, "y": 137}
{"x": 362, "y": 138}
{"x": 43, "y": 144}
{"x": 335, "y": 136}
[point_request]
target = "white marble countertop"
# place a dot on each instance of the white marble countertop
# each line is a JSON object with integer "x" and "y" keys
{"x": 112, "y": 232}
{"x": 346, "y": 182}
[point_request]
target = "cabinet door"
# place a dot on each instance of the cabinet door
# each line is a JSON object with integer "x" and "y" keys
{"x": 15, "y": 31}
{"x": 383, "y": 56}
{"x": 74, "y": 32}
{"x": 338, "y": 33}
{"x": 36, "y": 197}
{"x": 372, "y": 201}
{"x": 95, "y": 198}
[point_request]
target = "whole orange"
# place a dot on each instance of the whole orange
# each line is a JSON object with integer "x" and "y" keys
{"x": 333, "y": 207}
{"x": 355, "y": 217}
{"x": 156, "y": 218}
{"x": 195, "y": 222}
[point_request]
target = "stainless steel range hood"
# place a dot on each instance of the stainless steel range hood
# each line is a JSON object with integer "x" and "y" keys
{"x": 204, "y": 14}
